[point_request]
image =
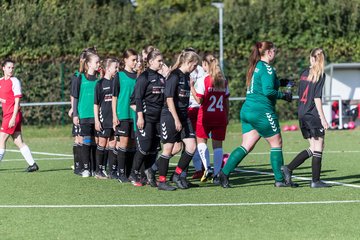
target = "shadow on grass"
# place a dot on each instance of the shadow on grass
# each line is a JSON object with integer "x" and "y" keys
{"x": 341, "y": 178}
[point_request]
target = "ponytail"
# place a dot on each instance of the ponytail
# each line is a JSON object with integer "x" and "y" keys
{"x": 217, "y": 78}
{"x": 317, "y": 68}
{"x": 83, "y": 56}
{"x": 185, "y": 57}
{"x": 257, "y": 51}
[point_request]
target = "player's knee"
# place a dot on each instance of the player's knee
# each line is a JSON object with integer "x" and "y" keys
{"x": 177, "y": 148}
{"x": 190, "y": 148}
{"x": 145, "y": 147}
{"x": 19, "y": 142}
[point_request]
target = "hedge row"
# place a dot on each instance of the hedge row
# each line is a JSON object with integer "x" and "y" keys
{"x": 41, "y": 35}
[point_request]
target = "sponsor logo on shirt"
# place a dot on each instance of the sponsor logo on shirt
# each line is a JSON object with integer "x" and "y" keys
{"x": 184, "y": 93}
{"x": 158, "y": 89}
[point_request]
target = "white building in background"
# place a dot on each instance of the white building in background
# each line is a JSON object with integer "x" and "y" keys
{"x": 342, "y": 84}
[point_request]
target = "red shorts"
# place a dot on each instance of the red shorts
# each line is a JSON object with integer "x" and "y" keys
{"x": 192, "y": 115}
{"x": 217, "y": 132}
{"x": 5, "y": 124}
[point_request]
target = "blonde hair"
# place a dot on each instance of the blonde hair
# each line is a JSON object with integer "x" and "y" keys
{"x": 317, "y": 68}
{"x": 217, "y": 77}
{"x": 186, "y": 57}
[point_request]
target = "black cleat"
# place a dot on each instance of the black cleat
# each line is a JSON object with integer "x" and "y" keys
{"x": 122, "y": 178}
{"x": 150, "y": 175}
{"x": 77, "y": 171}
{"x": 216, "y": 180}
{"x": 179, "y": 181}
{"x": 165, "y": 186}
{"x": 281, "y": 184}
{"x": 319, "y": 184}
{"x": 32, "y": 168}
{"x": 113, "y": 174}
{"x": 224, "y": 180}
{"x": 287, "y": 173}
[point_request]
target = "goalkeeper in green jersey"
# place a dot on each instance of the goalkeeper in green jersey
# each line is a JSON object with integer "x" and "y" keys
{"x": 258, "y": 117}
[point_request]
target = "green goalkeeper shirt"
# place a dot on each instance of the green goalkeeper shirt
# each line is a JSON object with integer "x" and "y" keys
{"x": 262, "y": 92}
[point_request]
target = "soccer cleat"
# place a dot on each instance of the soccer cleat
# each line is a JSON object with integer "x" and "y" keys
{"x": 180, "y": 183}
{"x": 207, "y": 175}
{"x": 197, "y": 174}
{"x": 319, "y": 184}
{"x": 150, "y": 175}
{"x": 100, "y": 175}
{"x": 216, "y": 180}
{"x": 135, "y": 180}
{"x": 224, "y": 180}
{"x": 165, "y": 186}
{"x": 287, "y": 173}
{"x": 122, "y": 178}
{"x": 113, "y": 174}
{"x": 86, "y": 173}
{"x": 281, "y": 184}
{"x": 32, "y": 168}
{"x": 77, "y": 172}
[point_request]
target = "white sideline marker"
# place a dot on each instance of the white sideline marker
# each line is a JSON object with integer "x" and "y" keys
{"x": 301, "y": 178}
{"x": 181, "y": 205}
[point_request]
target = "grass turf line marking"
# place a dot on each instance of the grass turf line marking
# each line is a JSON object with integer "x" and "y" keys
{"x": 301, "y": 178}
{"x": 182, "y": 205}
{"x": 44, "y": 153}
{"x": 38, "y": 159}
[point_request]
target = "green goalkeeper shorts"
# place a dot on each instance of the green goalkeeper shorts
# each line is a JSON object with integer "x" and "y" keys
{"x": 266, "y": 123}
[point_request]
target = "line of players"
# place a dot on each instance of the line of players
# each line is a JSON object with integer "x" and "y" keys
{"x": 122, "y": 110}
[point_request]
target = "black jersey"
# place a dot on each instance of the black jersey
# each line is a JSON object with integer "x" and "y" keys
{"x": 177, "y": 86}
{"x": 149, "y": 95}
{"x": 103, "y": 98}
{"x": 308, "y": 91}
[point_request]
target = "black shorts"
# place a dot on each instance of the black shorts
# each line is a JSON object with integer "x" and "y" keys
{"x": 75, "y": 130}
{"x": 311, "y": 128}
{"x": 313, "y": 132}
{"x": 105, "y": 133}
{"x": 169, "y": 133}
{"x": 125, "y": 129}
{"x": 87, "y": 129}
{"x": 148, "y": 139}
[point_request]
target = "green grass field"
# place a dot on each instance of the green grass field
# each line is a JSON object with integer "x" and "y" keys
{"x": 55, "y": 204}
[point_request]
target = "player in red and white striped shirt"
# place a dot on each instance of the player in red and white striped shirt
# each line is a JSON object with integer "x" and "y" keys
{"x": 10, "y": 94}
{"x": 212, "y": 93}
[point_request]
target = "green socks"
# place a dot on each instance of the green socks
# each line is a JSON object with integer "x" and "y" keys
{"x": 235, "y": 158}
{"x": 277, "y": 160}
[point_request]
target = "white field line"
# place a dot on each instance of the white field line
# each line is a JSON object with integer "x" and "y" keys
{"x": 181, "y": 205}
{"x": 301, "y": 178}
{"x": 38, "y": 159}
{"x": 44, "y": 153}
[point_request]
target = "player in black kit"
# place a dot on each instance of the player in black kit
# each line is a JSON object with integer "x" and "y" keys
{"x": 311, "y": 117}
{"x": 175, "y": 124}
{"x": 149, "y": 99}
{"x": 103, "y": 114}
